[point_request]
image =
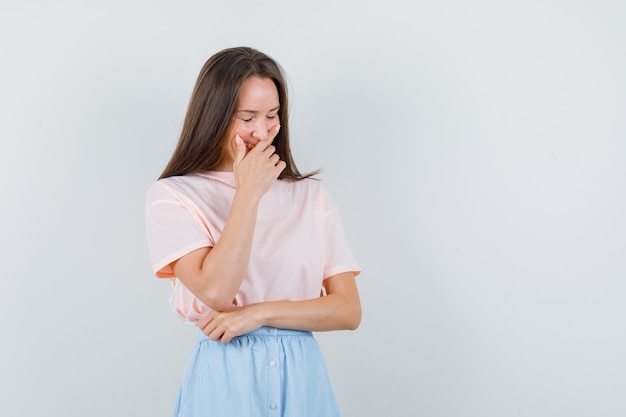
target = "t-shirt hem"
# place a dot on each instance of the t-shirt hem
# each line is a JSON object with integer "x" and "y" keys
{"x": 335, "y": 270}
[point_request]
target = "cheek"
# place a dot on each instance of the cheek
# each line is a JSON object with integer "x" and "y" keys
{"x": 229, "y": 148}
{"x": 243, "y": 129}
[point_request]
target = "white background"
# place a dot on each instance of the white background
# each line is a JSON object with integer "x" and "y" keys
{"x": 476, "y": 149}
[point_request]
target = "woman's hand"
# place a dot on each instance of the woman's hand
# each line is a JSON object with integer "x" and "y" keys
{"x": 257, "y": 169}
{"x": 224, "y": 325}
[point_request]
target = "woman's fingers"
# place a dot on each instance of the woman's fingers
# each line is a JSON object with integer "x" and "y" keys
{"x": 274, "y": 159}
{"x": 204, "y": 321}
{"x": 241, "y": 150}
{"x": 225, "y": 325}
{"x": 214, "y": 326}
{"x": 208, "y": 325}
{"x": 273, "y": 132}
{"x": 216, "y": 334}
{"x": 263, "y": 144}
{"x": 260, "y": 166}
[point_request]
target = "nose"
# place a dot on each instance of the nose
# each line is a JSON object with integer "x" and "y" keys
{"x": 262, "y": 129}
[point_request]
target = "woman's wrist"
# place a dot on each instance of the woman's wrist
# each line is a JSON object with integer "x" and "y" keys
{"x": 261, "y": 314}
{"x": 249, "y": 195}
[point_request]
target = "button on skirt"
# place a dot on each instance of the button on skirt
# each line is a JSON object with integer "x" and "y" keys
{"x": 268, "y": 372}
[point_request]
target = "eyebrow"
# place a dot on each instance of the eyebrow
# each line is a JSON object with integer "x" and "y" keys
{"x": 254, "y": 111}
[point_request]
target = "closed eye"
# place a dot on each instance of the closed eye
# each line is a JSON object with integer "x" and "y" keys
{"x": 248, "y": 115}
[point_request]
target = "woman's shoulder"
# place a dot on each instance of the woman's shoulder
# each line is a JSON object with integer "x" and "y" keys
{"x": 305, "y": 185}
{"x": 191, "y": 184}
{"x": 307, "y": 192}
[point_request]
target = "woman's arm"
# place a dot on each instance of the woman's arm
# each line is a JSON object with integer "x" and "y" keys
{"x": 339, "y": 309}
{"x": 214, "y": 275}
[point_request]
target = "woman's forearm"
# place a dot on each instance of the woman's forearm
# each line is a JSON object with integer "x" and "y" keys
{"x": 214, "y": 275}
{"x": 225, "y": 265}
{"x": 330, "y": 312}
{"x": 340, "y": 309}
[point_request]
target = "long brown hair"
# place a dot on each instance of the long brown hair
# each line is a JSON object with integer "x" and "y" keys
{"x": 212, "y": 108}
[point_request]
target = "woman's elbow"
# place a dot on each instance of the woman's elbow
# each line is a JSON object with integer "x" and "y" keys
{"x": 353, "y": 319}
{"x": 216, "y": 301}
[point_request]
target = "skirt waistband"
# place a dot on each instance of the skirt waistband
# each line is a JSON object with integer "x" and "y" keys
{"x": 266, "y": 331}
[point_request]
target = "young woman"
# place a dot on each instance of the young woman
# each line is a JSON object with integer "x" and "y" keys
{"x": 255, "y": 248}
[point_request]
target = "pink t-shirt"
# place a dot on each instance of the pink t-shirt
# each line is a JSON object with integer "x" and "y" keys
{"x": 298, "y": 239}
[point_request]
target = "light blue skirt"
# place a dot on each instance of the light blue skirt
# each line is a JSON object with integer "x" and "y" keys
{"x": 268, "y": 372}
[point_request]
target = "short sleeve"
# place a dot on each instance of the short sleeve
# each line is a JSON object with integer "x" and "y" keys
{"x": 338, "y": 255}
{"x": 171, "y": 229}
